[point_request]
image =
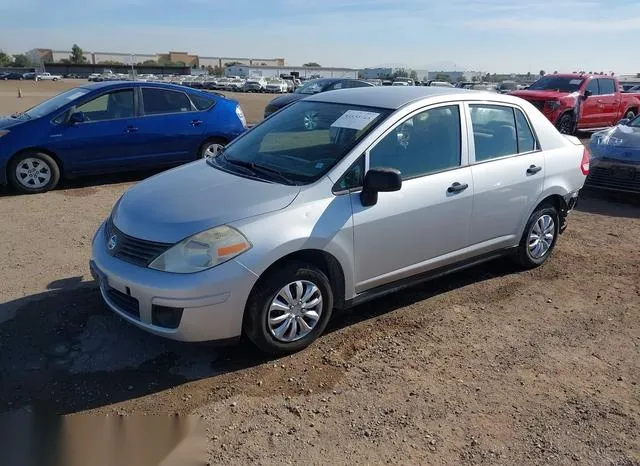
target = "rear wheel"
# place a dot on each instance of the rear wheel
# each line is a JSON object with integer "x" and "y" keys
{"x": 211, "y": 148}
{"x": 566, "y": 124}
{"x": 539, "y": 237}
{"x": 289, "y": 309}
{"x": 630, "y": 115}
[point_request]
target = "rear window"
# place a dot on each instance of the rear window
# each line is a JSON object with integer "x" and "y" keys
{"x": 607, "y": 86}
{"x": 202, "y": 102}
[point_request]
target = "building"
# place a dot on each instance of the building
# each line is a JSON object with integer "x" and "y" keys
{"x": 246, "y": 71}
{"x": 377, "y": 73}
{"x": 214, "y": 62}
{"x": 453, "y": 76}
{"x": 126, "y": 58}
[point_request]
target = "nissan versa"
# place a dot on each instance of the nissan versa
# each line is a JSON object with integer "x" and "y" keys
{"x": 388, "y": 187}
{"x": 109, "y": 127}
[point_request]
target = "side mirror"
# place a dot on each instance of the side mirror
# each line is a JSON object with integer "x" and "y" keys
{"x": 77, "y": 117}
{"x": 378, "y": 180}
{"x": 587, "y": 94}
{"x": 624, "y": 121}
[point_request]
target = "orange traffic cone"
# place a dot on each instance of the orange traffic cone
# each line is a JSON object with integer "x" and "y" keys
{"x": 19, "y": 93}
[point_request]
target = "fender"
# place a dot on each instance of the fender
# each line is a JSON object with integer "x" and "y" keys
{"x": 546, "y": 193}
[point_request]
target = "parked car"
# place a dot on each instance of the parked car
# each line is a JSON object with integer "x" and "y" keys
{"x": 507, "y": 86}
{"x": 581, "y": 102}
{"x": 276, "y": 86}
{"x": 400, "y": 81}
{"x": 328, "y": 218}
{"x": 234, "y": 85}
{"x": 29, "y": 76}
{"x": 314, "y": 86}
{"x": 13, "y": 76}
{"x": 255, "y": 85}
{"x": 440, "y": 84}
{"x": 47, "y": 77}
{"x": 633, "y": 89}
{"x": 109, "y": 127}
{"x": 627, "y": 86}
{"x": 221, "y": 83}
{"x": 93, "y": 77}
{"x": 615, "y": 158}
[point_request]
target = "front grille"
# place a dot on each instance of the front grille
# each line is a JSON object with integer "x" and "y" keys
{"x": 617, "y": 178}
{"x": 127, "y": 304}
{"x": 136, "y": 251}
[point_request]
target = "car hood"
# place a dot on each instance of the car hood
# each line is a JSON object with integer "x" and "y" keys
{"x": 618, "y": 143}
{"x": 7, "y": 122}
{"x": 539, "y": 95}
{"x": 284, "y": 100}
{"x": 178, "y": 203}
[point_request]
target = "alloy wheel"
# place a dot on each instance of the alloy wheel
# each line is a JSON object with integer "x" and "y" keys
{"x": 541, "y": 236}
{"x": 212, "y": 150}
{"x": 33, "y": 173}
{"x": 295, "y": 311}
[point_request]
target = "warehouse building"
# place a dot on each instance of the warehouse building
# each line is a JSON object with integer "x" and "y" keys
{"x": 222, "y": 61}
{"x": 246, "y": 71}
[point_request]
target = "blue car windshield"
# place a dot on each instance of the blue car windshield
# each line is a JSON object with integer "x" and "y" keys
{"x": 314, "y": 86}
{"x": 635, "y": 123}
{"x": 303, "y": 141}
{"x": 54, "y": 103}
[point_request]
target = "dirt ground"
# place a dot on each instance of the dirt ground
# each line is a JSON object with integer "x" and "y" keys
{"x": 489, "y": 366}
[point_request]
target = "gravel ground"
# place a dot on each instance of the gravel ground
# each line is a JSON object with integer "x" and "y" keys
{"x": 488, "y": 366}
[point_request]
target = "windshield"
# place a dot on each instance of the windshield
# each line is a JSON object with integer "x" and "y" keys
{"x": 313, "y": 87}
{"x": 54, "y": 103}
{"x": 557, "y": 83}
{"x": 303, "y": 141}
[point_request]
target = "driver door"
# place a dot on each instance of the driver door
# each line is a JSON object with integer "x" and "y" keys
{"x": 426, "y": 223}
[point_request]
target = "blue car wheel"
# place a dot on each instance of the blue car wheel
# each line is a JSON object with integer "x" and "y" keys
{"x": 34, "y": 172}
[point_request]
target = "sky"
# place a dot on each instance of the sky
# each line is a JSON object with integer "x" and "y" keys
{"x": 486, "y": 35}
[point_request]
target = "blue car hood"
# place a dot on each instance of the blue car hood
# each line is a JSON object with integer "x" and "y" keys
{"x": 7, "y": 122}
{"x": 619, "y": 143}
{"x": 189, "y": 199}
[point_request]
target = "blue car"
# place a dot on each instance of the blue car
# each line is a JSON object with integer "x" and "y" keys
{"x": 615, "y": 158}
{"x": 113, "y": 126}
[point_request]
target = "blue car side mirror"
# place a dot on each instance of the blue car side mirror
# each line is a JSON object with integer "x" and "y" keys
{"x": 77, "y": 117}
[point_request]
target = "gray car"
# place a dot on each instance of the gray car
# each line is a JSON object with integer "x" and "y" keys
{"x": 339, "y": 198}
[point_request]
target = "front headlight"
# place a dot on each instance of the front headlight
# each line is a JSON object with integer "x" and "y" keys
{"x": 552, "y": 104}
{"x": 203, "y": 251}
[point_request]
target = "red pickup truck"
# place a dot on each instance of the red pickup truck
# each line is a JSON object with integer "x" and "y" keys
{"x": 581, "y": 102}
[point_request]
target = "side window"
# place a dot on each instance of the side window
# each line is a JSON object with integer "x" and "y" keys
{"x": 358, "y": 84}
{"x": 426, "y": 143}
{"x": 201, "y": 102}
{"x": 117, "y": 104}
{"x": 352, "y": 178}
{"x": 158, "y": 101}
{"x": 607, "y": 86}
{"x": 338, "y": 85}
{"x": 593, "y": 87}
{"x": 526, "y": 141}
{"x": 494, "y": 131}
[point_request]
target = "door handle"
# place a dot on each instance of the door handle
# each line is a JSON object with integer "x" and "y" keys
{"x": 457, "y": 187}
{"x": 131, "y": 129}
{"x": 196, "y": 122}
{"x": 532, "y": 170}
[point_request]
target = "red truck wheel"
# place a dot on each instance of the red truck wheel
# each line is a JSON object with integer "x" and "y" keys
{"x": 566, "y": 124}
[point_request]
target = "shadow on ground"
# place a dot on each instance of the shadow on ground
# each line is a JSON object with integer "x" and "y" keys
{"x": 610, "y": 204}
{"x": 64, "y": 352}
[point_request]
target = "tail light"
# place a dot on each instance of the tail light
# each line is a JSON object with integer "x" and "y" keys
{"x": 584, "y": 164}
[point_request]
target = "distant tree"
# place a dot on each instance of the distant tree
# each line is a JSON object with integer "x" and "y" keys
{"x": 178, "y": 64}
{"x": 590, "y": 72}
{"x": 442, "y": 77}
{"x": 111, "y": 62}
{"x": 542, "y": 73}
{"x": 312, "y": 64}
{"x": 460, "y": 79}
{"x": 528, "y": 74}
{"x": 65, "y": 61}
{"x": 21, "y": 61}
{"x": 555, "y": 72}
{"x": 5, "y": 59}
{"x": 474, "y": 79}
{"x": 218, "y": 70}
{"x": 77, "y": 56}
{"x": 263, "y": 64}
{"x": 413, "y": 75}
{"x": 400, "y": 73}
{"x": 231, "y": 63}
{"x": 149, "y": 62}
{"x": 487, "y": 77}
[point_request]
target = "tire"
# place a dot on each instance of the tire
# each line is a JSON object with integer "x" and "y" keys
{"x": 269, "y": 290}
{"x": 566, "y": 124}
{"x": 525, "y": 256}
{"x": 29, "y": 164}
{"x": 204, "y": 152}
{"x": 630, "y": 114}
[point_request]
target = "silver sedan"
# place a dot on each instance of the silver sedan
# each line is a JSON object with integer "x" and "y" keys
{"x": 336, "y": 199}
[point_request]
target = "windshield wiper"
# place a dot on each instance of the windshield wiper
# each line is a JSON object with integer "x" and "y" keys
{"x": 258, "y": 169}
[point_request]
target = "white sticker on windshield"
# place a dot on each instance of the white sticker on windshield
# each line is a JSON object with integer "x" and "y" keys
{"x": 355, "y": 119}
{"x": 575, "y": 81}
{"x": 75, "y": 95}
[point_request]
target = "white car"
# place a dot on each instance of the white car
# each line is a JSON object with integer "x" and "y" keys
{"x": 276, "y": 86}
{"x": 255, "y": 85}
{"x": 234, "y": 85}
{"x": 47, "y": 77}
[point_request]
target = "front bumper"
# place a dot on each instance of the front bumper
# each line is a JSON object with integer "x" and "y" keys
{"x": 613, "y": 175}
{"x": 212, "y": 301}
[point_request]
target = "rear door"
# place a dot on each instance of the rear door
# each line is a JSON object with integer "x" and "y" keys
{"x": 609, "y": 100}
{"x": 104, "y": 140}
{"x": 171, "y": 128}
{"x": 508, "y": 173}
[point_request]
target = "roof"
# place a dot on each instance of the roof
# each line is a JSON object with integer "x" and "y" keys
{"x": 386, "y": 96}
{"x": 115, "y": 84}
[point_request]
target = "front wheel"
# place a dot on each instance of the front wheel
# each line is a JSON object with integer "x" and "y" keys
{"x": 34, "y": 172}
{"x": 211, "y": 148}
{"x": 539, "y": 237}
{"x": 288, "y": 309}
{"x": 630, "y": 115}
{"x": 566, "y": 124}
